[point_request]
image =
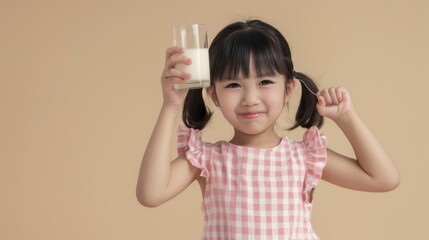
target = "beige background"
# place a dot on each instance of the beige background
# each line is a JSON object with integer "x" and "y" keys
{"x": 79, "y": 94}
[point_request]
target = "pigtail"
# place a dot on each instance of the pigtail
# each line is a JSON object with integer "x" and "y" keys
{"x": 307, "y": 114}
{"x": 195, "y": 113}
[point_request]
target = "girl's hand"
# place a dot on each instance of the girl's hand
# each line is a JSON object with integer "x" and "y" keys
{"x": 334, "y": 103}
{"x": 171, "y": 76}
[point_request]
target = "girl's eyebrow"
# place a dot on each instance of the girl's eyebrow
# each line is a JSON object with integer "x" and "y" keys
{"x": 262, "y": 75}
{"x": 244, "y": 78}
{"x": 227, "y": 81}
{"x": 271, "y": 76}
{"x": 267, "y": 74}
{"x": 238, "y": 78}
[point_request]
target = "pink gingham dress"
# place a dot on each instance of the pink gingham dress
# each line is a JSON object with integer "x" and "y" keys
{"x": 254, "y": 193}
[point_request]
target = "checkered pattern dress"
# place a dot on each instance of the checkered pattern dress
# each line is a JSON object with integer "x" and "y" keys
{"x": 254, "y": 193}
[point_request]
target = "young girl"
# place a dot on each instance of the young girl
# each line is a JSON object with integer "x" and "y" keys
{"x": 257, "y": 185}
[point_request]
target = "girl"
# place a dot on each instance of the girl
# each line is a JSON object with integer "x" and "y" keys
{"x": 257, "y": 185}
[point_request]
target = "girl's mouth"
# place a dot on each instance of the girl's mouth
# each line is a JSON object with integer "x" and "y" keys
{"x": 250, "y": 115}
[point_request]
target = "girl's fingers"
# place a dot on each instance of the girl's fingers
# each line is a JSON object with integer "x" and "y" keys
{"x": 326, "y": 96}
{"x": 321, "y": 103}
{"x": 177, "y": 59}
{"x": 173, "y": 50}
{"x": 174, "y": 73}
{"x": 343, "y": 94}
{"x": 173, "y": 57}
{"x": 334, "y": 102}
{"x": 334, "y": 96}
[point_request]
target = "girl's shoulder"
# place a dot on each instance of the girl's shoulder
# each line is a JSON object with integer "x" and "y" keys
{"x": 314, "y": 139}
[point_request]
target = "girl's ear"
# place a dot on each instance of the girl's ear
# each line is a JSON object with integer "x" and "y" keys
{"x": 212, "y": 94}
{"x": 290, "y": 87}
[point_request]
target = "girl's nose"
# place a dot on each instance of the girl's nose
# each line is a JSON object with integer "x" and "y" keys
{"x": 250, "y": 98}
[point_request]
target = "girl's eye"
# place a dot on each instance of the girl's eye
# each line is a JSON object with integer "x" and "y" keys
{"x": 233, "y": 85}
{"x": 266, "y": 82}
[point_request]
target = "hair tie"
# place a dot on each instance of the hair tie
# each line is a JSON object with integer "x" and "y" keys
{"x": 315, "y": 94}
{"x": 302, "y": 82}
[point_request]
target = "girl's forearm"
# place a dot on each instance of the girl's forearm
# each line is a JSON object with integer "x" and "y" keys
{"x": 155, "y": 166}
{"x": 370, "y": 154}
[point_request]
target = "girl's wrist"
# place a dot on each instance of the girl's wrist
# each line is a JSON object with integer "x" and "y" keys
{"x": 346, "y": 118}
{"x": 171, "y": 108}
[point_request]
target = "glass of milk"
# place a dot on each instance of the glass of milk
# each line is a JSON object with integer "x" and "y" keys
{"x": 193, "y": 38}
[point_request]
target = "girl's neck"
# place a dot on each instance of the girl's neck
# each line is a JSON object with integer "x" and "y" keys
{"x": 267, "y": 139}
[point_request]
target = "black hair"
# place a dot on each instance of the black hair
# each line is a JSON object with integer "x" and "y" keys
{"x": 229, "y": 56}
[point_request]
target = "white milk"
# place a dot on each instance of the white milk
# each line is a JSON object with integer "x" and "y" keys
{"x": 199, "y": 69}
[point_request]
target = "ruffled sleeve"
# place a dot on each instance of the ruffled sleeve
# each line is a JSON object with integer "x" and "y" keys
{"x": 315, "y": 159}
{"x": 189, "y": 142}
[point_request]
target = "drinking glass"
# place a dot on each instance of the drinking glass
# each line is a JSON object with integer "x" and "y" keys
{"x": 193, "y": 39}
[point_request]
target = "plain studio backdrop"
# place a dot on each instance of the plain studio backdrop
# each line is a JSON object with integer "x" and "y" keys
{"x": 80, "y": 93}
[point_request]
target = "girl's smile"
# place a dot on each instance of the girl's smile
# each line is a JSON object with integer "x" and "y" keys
{"x": 251, "y": 115}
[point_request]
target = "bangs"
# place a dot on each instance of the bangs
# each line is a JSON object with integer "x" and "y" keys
{"x": 233, "y": 61}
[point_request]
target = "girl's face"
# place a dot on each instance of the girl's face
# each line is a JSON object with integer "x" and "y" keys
{"x": 251, "y": 105}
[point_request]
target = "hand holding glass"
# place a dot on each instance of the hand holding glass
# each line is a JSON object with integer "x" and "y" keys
{"x": 193, "y": 39}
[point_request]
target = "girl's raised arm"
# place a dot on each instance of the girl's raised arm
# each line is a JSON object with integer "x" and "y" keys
{"x": 160, "y": 179}
{"x": 372, "y": 170}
